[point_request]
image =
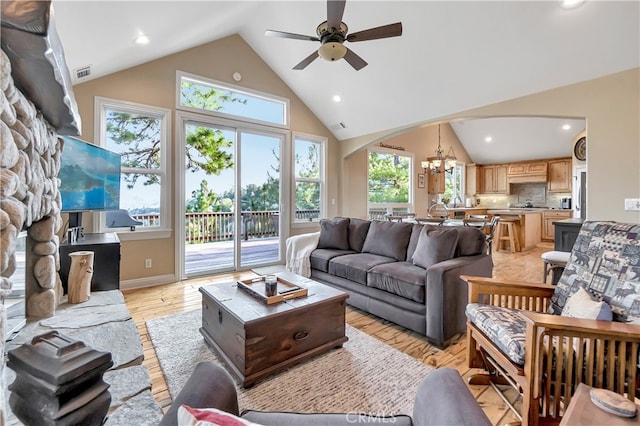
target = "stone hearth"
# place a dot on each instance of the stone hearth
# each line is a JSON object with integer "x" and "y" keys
{"x": 104, "y": 323}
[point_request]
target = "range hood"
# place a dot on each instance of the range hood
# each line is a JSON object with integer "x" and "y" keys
{"x": 531, "y": 172}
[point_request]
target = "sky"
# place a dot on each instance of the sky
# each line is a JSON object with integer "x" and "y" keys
{"x": 257, "y": 159}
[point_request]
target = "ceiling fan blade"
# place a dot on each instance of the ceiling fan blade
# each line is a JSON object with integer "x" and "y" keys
{"x": 391, "y": 30}
{"x": 335, "y": 10}
{"x": 354, "y": 60}
{"x": 306, "y": 61}
{"x": 282, "y": 34}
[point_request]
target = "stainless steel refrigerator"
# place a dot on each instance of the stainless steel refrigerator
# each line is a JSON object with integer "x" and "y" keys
{"x": 580, "y": 192}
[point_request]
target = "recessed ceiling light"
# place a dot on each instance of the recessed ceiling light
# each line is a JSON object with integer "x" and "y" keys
{"x": 142, "y": 39}
{"x": 488, "y": 139}
{"x": 571, "y": 4}
{"x": 337, "y": 98}
{"x": 566, "y": 127}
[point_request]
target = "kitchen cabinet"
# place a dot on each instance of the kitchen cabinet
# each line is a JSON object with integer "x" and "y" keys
{"x": 535, "y": 171}
{"x": 435, "y": 182}
{"x": 473, "y": 179}
{"x": 560, "y": 175}
{"x": 548, "y": 218}
{"x": 494, "y": 179}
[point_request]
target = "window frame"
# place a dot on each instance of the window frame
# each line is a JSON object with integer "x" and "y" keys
{"x": 393, "y": 207}
{"x": 240, "y": 89}
{"x": 101, "y": 105}
{"x": 322, "y": 141}
{"x": 462, "y": 173}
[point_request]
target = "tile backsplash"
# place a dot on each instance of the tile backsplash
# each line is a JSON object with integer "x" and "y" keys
{"x": 520, "y": 193}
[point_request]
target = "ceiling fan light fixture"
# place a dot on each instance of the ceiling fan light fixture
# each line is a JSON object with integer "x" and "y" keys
{"x": 571, "y": 4}
{"x": 332, "y": 51}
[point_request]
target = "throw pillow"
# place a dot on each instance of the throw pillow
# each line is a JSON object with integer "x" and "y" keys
{"x": 388, "y": 239}
{"x": 334, "y": 234}
{"x": 436, "y": 244}
{"x": 581, "y": 305}
{"x": 188, "y": 416}
{"x": 358, "y": 229}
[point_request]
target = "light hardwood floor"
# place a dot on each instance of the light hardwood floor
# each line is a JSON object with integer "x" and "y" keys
{"x": 154, "y": 302}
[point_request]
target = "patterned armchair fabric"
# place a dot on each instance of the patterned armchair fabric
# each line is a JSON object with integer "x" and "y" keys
{"x": 605, "y": 261}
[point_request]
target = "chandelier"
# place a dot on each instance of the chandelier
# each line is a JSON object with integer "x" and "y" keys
{"x": 440, "y": 163}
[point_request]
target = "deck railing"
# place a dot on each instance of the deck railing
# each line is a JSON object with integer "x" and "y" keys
{"x": 218, "y": 226}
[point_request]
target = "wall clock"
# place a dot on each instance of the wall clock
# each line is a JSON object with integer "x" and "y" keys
{"x": 580, "y": 149}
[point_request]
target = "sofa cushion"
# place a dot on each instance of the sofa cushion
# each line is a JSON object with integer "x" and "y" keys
{"x": 505, "y": 327}
{"x": 334, "y": 234}
{"x": 320, "y": 258}
{"x": 324, "y": 419}
{"x": 388, "y": 239}
{"x": 401, "y": 278}
{"x": 436, "y": 244}
{"x": 358, "y": 229}
{"x": 354, "y": 267}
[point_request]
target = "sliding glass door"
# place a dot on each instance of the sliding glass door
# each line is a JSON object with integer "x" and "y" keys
{"x": 231, "y": 197}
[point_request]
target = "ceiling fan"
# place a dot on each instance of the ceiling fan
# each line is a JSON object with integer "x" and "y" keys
{"x": 332, "y": 34}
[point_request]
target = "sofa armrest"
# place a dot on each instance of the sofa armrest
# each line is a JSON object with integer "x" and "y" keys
{"x": 446, "y": 295}
{"x": 209, "y": 386}
{"x": 443, "y": 398}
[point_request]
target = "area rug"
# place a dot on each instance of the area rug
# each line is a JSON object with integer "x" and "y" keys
{"x": 364, "y": 376}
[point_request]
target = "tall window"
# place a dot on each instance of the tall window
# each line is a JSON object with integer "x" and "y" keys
{"x": 308, "y": 178}
{"x": 200, "y": 94}
{"x": 454, "y": 184}
{"x": 390, "y": 182}
{"x": 140, "y": 134}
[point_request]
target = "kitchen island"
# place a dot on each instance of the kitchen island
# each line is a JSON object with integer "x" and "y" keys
{"x": 529, "y": 224}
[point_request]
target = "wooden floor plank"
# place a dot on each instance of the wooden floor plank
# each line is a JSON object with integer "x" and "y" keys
{"x": 154, "y": 302}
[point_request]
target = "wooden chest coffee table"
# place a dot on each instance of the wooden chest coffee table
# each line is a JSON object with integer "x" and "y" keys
{"x": 256, "y": 339}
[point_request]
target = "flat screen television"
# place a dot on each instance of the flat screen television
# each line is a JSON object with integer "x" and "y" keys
{"x": 89, "y": 177}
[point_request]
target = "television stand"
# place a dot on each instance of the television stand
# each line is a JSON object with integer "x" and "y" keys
{"x": 75, "y": 230}
{"x": 106, "y": 260}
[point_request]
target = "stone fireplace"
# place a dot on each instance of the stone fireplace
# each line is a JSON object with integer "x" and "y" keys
{"x": 36, "y": 103}
{"x": 29, "y": 197}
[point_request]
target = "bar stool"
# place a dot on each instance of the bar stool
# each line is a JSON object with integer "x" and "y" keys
{"x": 554, "y": 260}
{"x": 507, "y": 233}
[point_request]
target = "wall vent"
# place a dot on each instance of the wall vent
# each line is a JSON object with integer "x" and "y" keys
{"x": 83, "y": 72}
{"x": 338, "y": 126}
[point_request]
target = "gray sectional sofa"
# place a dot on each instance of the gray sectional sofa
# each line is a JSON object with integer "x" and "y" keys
{"x": 403, "y": 272}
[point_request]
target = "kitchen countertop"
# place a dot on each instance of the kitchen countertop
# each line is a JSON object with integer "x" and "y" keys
{"x": 524, "y": 210}
{"x": 462, "y": 209}
{"x": 515, "y": 211}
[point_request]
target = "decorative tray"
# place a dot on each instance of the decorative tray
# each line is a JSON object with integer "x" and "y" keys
{"x": 285, "y": 290}
{"x": 613, "y": 403}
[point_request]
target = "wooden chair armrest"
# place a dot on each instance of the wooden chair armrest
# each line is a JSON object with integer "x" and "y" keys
{"x": 603, "y": 354}
{"x": 571, "y": 326}
{"x": 511, "y": 294}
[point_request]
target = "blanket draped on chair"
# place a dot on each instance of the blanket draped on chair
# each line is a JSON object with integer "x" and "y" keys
{"x": 298, "y": 253}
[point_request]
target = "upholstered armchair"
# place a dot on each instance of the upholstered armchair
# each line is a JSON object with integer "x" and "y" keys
{"x": 544, "y": 340}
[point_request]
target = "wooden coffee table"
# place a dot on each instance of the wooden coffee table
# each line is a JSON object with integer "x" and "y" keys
{"x": 255, "y": 339}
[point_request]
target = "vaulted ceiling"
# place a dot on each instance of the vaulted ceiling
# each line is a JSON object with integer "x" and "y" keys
{"x": 452, "y": 56}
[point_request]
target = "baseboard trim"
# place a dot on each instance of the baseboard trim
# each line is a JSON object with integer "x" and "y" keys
{"x": 147, "y": 281}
